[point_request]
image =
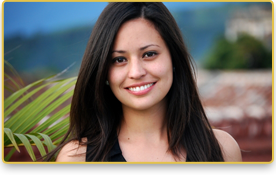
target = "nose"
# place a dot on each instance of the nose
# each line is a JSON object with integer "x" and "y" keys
{"x": 136, "y": 69}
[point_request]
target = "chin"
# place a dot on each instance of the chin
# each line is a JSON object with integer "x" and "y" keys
{"x": 142, "y": 106}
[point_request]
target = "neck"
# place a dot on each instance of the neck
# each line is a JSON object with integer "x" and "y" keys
{"x": 147, "y": 124}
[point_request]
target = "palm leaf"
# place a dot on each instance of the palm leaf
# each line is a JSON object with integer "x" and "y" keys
{"x": 27, "y": 145}
{"x": 60, "y": 133}
{"x": 9, "y": 133}
{"x": 38, "y": 104}
{"x": 38, "y": 144}
{"x": 22, "y": 100}
{"x": 22, "y": 116}
{"x": 36, "y": 113}
{"x": 24, "y": 141}
{"x": 13, "y": 82}
{"x": 48, "y": 142}
{"x": 8, "y": 101}
{"x": 51, "y": 120}
{"x": 11, "y": 152}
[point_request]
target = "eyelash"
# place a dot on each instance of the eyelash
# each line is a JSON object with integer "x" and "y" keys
{"x": 116, "y": 59}
{"x": 151, "y": 52}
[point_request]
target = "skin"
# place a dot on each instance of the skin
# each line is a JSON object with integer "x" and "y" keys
{"x": 140, "y": 55}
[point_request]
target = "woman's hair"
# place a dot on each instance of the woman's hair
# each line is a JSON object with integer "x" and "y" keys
{"x": 95, "y": 111}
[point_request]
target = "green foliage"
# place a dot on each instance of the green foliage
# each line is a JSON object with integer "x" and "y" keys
{"x": 25, "y": 109}
{"x": 245, "y": 53}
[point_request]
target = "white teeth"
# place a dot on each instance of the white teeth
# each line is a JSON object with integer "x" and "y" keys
{"x": 140, "y": 88}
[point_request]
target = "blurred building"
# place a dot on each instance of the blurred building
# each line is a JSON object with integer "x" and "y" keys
{"x": 240, "y": 103}
{"x": 255, "y": 20}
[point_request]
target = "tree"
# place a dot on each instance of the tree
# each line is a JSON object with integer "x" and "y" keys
{"x": 245, "y": 53}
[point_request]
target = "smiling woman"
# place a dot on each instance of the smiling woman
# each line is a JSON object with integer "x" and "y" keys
{"x": 141, "y": 75}
{"x": 136, "y": 99}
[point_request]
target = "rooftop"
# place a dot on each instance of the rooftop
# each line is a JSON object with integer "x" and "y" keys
{"x": 234, "y": 95}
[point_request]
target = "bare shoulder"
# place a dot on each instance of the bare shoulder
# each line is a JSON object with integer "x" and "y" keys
{"x": 230, "y": 148}
{"x": 72, "y": 152}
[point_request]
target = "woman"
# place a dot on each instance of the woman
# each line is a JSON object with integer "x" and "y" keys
{"x": 136, "y": 98}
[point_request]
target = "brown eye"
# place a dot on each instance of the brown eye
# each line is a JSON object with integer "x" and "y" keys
{"x": 118, "y": 60}
{"x": 149, "y": 54}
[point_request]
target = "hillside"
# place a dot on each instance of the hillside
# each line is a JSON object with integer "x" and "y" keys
{"x": 46, "y": 54}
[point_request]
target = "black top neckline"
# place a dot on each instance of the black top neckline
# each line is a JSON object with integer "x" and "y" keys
{"x": 115, "y": 154}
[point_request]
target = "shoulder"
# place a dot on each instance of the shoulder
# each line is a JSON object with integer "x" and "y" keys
{"x": 72, "y": 152}
{"x": 230, "y": 149}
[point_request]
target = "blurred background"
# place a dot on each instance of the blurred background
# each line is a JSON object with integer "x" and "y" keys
{"x": 231, "y": 43}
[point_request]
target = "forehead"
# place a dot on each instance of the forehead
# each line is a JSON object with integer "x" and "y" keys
{"x": 137, "y": 32}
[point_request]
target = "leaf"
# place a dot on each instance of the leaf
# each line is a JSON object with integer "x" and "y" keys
{"x": 8, "y": 88}
{"x": 27, "y": 145}
{"x": 13, "y": 71}
{"x": 36, "y": 112}
{"x": 8, "y": 101}
{"x": 48, "y": 142}
{"x": 38, "y": 144}
{"x": 8, "y": 156}
{"x": 27, "y": 106}
{"x": 60, "y": 133}
{"x": 57, "y": 126}
{"x": 12, "y": 80}
{"x": 15, "y": 74}
{"x": 53, "y": 119}
{"x": 22, "y": 115}
{"x": 32, "y": 122}
{"x": 22, "y": 100}
{"x": 20, "y": 92}
{"x": 28, "y": 113}
{"x": 9, "y": 133}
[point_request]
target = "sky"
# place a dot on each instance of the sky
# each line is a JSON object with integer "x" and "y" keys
{"x": 28, "y": 18}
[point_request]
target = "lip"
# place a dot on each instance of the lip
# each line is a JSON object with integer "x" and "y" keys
{"x": 145, "y": 91}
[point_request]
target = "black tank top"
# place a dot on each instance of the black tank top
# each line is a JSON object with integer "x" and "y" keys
{"x": 115, "y": 155}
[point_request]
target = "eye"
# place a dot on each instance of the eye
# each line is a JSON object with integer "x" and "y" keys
{"x": 119, "y": 60}
{"x": 149, "y": 54}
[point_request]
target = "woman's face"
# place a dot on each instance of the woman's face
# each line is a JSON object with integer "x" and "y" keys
{"x": 141, "y": 73}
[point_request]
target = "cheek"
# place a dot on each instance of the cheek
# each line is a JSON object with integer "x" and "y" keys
{"x": 115, "y": 78}
{"x": 163, "y": 68}
{"x": 164, "y": 73}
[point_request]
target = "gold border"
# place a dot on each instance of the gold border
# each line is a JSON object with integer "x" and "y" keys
{"x": 139, "y": 162}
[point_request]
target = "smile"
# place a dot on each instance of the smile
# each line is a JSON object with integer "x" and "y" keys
{"x": 140, "y": 88}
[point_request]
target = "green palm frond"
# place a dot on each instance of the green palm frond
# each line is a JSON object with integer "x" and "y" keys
{"x": 40, "y": 122}
{"x": 9, "y": 86}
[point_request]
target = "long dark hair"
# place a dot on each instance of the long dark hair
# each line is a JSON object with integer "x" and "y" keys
{"x": 95, "y": 111}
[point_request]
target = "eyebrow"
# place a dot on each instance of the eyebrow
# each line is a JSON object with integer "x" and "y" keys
{"x": 142, "y": 48}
